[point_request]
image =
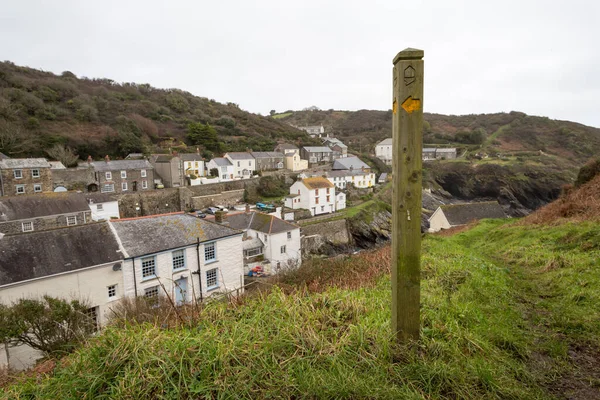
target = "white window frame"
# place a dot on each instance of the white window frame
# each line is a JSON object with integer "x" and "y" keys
{"x": 283, "y": 249}
{"x": 112, "y": 291}
{"x": 18, "y": 173}
{"x": 28, "y": 224}
{"x": 37, "y": 188}
{"x": 151, "y": 292}
{"x": 99, "y": 207}
{"x": 109, "y": 185}
{"x": 108, "y": 175}
{"x": 256, "y": 251}
{"x": 71, "y": 218}
{"x": 20, "y": 187}
{"x": 144, "y": 184}
{"x": 212, "y": 276}
{"x": 289, "y": 235}
{"x": 178, "y": 259}
{"x": 208, "y": 248}
{"x": 149, "y": 267}
{"x": 33, "y": 173}
{"x": 124, "y": 186}
{"x": 143, "y": 173}
{"x": 123, "y": 174}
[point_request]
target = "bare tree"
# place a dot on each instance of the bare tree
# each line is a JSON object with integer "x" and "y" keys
{"x": 12, "y": 140}
{"x": 64, "y": 154}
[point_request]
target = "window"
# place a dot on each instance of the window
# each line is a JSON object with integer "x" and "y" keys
{"x": 282, "y": 249}
{"x": 316, "y": 200}
{"x": 92, "y": 314}
{"x": 266, "y": 237}
{"x": 124, "y": 186}
{"x": 108, "y": 187}
{"x": 123, "y": 174}
{"x": 35, "y": 173}
{"x": 143, "y": 173}
{"x": 108, "y": 175}
{"x": 144, "y": 184}
{"x": 99, "y": 207}
{"x": 27, "y": 226}
{"x": 18, "y": 173}
{"x": 322, "y": 208}
{"x": 20, "y": 189}
{"x": 37, "y": 188}
{"x": 178, "y": 259}
{"x": 289, "y": 235}
{"x": 327, "y": 190}
{"x": 210, "y": 252}
{"x": 112, "y": 291}
{"x": 316, "y": 192}
{"x": 148, "y": 267}
{"x": 253, "y": 252}
{"x": 238, "y": 163}
{"x": 212, "y": 279}
{"x": 328, "y": 199}
{"x": 249, "y": 163}
{"x": 151, "y": 292}
{"x": 71, "y": 220}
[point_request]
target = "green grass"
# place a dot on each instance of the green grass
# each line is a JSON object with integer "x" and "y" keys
{"x": 331, "y": 338}
{"x": 283, "y": 115}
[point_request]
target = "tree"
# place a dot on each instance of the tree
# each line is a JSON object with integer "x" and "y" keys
{"x": 205, "y": 135}
{"x": 214, "y": 172}
{"x": 272, "y": 112}
{"x": 12, "y": 140}
{"x": 7, "y": 329}
{"x": 271, "y": 186}
{"x": 64, "y": 154}
{"x": 50, "y": 325}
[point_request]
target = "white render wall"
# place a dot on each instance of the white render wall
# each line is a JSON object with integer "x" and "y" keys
{"x": 110, "y": 209}
{"x": 273, "y": 243}
{"x": 193, "y": 167}
{"x": 384, "y": 152}
{"x": 293, "y": 162}
{"x": 240, "y": 165}
{"x": 229, "y": 262}
{"x": 360, "y": 181}
{"x": 90, "y": 284}
{"x": 438, "y": 221}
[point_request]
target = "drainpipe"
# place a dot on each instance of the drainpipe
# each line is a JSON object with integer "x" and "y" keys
{"x": 134, "y": 278}
{"x": 198, "y": 272}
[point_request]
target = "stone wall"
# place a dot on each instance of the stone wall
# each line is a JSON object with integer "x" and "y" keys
{"x": 152, "y": 202}
{"x": 226, "y": 199}
{"x": 73, "y": 178}
{"x": 27, "y": 181}
{"x": 334, "y": 232}
{"x": 45, "y": 223}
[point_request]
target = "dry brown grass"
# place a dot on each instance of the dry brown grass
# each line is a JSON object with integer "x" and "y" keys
{"x": 581, "y": 204}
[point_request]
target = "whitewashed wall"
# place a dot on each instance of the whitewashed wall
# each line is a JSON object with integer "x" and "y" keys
{"x": 110, "y": 209}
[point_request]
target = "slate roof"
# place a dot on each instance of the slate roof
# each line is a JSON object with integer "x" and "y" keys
{"x": 3, "y": 156}
{"x": 286, "y": 146}
{"x": 258, "y": 221}
{"x": 383, "y": 177}
{"x": 347, "y": 172}
{"x": 147, "y": 235}
{"x": 44, "y": 253}
{"x": 240, "y": 155}
{"x": 252, "y": 243}
{"x": 16, "y": 208}
{"x": 11, "y": 163}
{"x": 191, "y": 157}
{"x": 222, "y": 162}
{"x": 116, "y": 165}
{"x": 97, "y": 197}
{"x": 429, "y": 149}
{"x": 267, "y": 154}
{"x": 56, "y": 165}
{"x": 317, "y": 182}
{"x": 386, "y": 142}
{"x": 317, "y": 149}
{"x": 335, "y": 142}
{"x": 353, "y": 163}
{"x": 461, "y": 214}
{"x": 162, "y": 158}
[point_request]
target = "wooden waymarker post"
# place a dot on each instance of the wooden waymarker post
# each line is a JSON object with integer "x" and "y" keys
{"x": 407, "y": 132}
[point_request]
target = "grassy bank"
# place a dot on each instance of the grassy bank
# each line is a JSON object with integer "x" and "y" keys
{"x": 327, "y": 335}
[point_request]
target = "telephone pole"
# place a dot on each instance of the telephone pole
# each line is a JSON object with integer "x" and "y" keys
{"x": 407, "y": 128}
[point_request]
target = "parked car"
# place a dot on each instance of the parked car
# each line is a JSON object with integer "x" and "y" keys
{"x": 222, "y": 208}
{"x": 200, "y": 214}
{"x": 212, "y": 210}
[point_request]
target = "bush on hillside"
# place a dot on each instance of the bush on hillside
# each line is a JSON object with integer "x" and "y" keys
{"x": 588, "y": 172}
{"x": 271, "y": 186}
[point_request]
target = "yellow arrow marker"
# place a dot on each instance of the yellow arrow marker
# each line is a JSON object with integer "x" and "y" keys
{"x": 395, "y": 106}
{"x": 411, "y": 104}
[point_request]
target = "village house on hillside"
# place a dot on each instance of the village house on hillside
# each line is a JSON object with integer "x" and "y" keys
{"x": 345, "y": 178}
{"x": 165, "y": 249}
{"x": 287, "y": 149}
{"x": 316, "y": 154}
{"x": 383, "y": 151}
{"x": 268, "y": 160}
{"x": 314, "y": 131}
{"x": 439, "y": 153}
{"x": 223, "y": 166}
{"x": 25, "y": 176}
{"x": 291, "y": 157}
{"x": 103, "y": 206}
{"x": 169, "y": 169}
{"x": 42, "y": 212}
{"x": 351, "y": 164}
{"x": 243, "y": 163}
{"x": 122, "y": 176}
{"x": 452, "y": 215}
{"x": 340, "y": 150}
{"x": 77, "y": 262}
{"x": 269, "y": 242}
{"x": 315, "y": 194}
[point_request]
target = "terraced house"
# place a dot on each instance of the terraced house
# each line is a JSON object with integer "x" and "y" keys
{"x": 122, "y": 176}
{"x": 25, "y": 176}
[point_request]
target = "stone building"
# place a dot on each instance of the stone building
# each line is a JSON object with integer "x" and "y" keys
{"x": 25, "y": 176}
{"x": 268, "y": 160}
{"x": 122, "y": 176}
{"x": 169, "y": 169}
{"x": 32, "y": 213}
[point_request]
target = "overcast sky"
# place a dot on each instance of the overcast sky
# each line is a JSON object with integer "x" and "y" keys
{"x": 539, "y": 57}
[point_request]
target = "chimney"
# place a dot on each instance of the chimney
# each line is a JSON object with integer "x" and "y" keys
{"x": 220, "y": 217}
{"x": 198, "y": 150}
{"x": 90, "y": 159}
{"x": 247, "y": 208}
{"x": 106, "y": 158}
{"x": 174, "y": 153}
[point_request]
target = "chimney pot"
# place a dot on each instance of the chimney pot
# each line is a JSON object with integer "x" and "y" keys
{"x": 90, "y": 159}
{"x": 247, "y": 208}
{"x": 106, "y": 158}
{"x": 197, "y": 150}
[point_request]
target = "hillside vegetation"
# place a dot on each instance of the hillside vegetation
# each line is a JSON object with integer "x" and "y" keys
{"x": 507, "y": 312}
{"x": 99, "y": 116}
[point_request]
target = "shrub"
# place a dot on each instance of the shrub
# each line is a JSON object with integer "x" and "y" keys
{"x": 271, "y": 186}
{"x": 588, "y": 172}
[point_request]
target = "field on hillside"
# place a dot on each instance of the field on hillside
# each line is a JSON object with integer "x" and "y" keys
{"x": 508, "y": 311}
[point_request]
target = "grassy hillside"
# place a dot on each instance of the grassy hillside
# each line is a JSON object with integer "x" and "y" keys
{"x": 507, "y": 312}
{"x": 512, "y": 133}
{"x": 99, "y": 116}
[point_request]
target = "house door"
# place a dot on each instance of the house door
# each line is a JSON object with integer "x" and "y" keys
{"x": 180, "y": 291}
{"x": 135, "y": 186}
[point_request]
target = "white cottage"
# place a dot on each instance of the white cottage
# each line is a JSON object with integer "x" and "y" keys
{"x": 383, "y": 151}
{"x": 223, "y": 166}
{"x": 104, "y": 206}
{"x": 315, "y": 194}
{"x": 243, "y": 163}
